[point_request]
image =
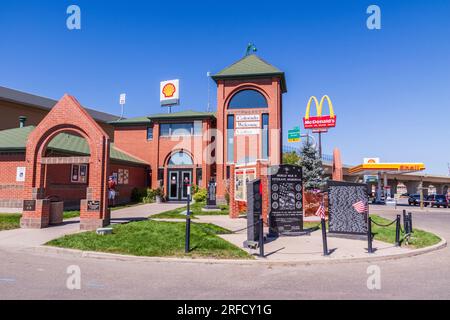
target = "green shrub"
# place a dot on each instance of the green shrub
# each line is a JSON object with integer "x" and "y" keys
{"x": 227, "y": 198}
{"x": 195, "y": 189}
{"x": 151, "y": 195}
{"x": 137, "y": 195}
{"x": 200, "y": 195}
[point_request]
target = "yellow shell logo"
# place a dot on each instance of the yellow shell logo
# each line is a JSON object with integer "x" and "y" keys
{"x": 169, "y": 90}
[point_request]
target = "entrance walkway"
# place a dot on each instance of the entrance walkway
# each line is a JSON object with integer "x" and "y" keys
{"x": 25, "y": 238}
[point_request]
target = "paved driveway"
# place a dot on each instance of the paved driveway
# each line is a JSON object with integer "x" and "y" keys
{"x": 31, "y": 275}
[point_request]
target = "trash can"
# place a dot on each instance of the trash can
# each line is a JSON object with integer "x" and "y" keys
{"x": 56, "y": 211}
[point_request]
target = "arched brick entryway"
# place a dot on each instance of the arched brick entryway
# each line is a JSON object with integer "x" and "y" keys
{"x": 70, "y": 117}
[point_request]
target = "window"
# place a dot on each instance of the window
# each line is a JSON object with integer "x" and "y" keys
{"x": 248, "y": 99}
{"x": 79, "y": 173}
{"x": 265, "y": 136}
{"x": 230, "y": 138}
{"x": 150, "y": 133}
{"x": 228, "y": 172}
{"x": 164, "y": 129}
{"x": 176, "y": 129}
{"x": 180, "y": 158}
{"x": 198, "y": 128}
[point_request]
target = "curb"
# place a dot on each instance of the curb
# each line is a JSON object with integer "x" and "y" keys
{"x": 323, "y": 260}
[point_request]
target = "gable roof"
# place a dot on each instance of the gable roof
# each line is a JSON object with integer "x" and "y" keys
{"x": 15, "y": 140}
{"x": 251, "y": 66}
{"x": 188, "y": 114}
{"x": 35, "y": 101}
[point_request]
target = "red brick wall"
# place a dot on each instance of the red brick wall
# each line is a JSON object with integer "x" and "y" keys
{"x": 58, "y": 183}
{"x": 133, "y": 140}
{"x": 136, "y": 179}
{"x": 10, "y": 190}
{"x": 226, "y": 89}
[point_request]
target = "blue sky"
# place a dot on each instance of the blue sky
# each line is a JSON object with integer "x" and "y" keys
{"x": 390, "y": 87}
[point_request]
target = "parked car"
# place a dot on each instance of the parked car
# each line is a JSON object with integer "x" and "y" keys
{"x": 414, "y": 200}
{"x": 437, "y": 200}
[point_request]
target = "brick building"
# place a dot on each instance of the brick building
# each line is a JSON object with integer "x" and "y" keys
{"x": 68, "y": 152}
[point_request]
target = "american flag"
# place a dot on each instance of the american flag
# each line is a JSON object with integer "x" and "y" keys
{"x": 321, "y": 211}
{"x": 361, "y": 207}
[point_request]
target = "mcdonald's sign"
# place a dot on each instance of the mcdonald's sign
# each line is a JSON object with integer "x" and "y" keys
{"x": 319, "y": 121}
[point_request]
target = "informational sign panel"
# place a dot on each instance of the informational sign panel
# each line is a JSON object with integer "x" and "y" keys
{"x": 170, "y": 93}
{"x": 348, "y": 208}
{"x": 286, "y": 199}
{"x": 20, "y": 174}
{"x": 294, "y": 135}
{"x": 29, "y": 205}
{"x": 123, "y": 98}
{"x": 93, "y": 205}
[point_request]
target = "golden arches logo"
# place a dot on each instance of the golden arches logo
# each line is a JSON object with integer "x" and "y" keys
{"x": 319, "y": 106}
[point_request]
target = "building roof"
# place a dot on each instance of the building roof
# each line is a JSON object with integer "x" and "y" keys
{"x": 188, "y": 114}
{"x": 15, "y": 140}
{"x": 35, "y": 101}
{"x": 251, "y": 66}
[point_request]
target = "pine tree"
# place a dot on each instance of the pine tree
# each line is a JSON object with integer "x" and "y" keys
{"x": 313, "y": 172}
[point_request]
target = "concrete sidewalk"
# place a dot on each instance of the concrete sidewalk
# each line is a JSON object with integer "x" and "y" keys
{"x": 303, "y": 248}
{"x": 26, "y": 238}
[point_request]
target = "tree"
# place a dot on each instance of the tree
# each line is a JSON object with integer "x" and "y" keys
{"x": 313, "y": 172}
{"x": 291, "y": 158}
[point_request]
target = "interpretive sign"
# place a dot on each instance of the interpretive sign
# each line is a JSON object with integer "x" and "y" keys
{"x": 348, "y": 208}
{"x": 29, "y": 205}
{"x": 286, "y": 200}
{"x": 93, "y": 205}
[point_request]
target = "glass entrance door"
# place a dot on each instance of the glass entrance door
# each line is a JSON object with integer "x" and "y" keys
{"x": 186, "y": 177}
{"x": 178, "y": 180}
{"x": 173, "y": 185}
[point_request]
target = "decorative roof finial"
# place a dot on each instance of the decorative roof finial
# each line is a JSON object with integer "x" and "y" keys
{"x": 251, "y": 48}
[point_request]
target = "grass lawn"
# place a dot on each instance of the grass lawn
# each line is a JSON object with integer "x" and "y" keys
{"x": 156, "y": 238}
{"x": 9, "y": 221}
{"x": 12, "y": 221}
{"x": 419, "y": 238}
{"x": 196, "y": 210}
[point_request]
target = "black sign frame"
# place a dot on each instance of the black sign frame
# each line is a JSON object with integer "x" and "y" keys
{"x": 286, "y": 200}
{"x": 334, "y": 225}
{"x": 29, "y": 205}
{"x": 93, "y": 205}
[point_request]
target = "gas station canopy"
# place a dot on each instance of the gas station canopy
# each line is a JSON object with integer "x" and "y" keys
{"x": 386, "y": 168}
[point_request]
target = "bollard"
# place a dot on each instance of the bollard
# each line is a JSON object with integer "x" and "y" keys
{"x": 397, "y": 231}
{"x": 324, "y": 238}
{"x": 261, "y": 238}
{"x": 410, "y": 222}
{"x": 188, "y": 224}
{"x": 369, "y": 236}
{"x": 405, "y": 222}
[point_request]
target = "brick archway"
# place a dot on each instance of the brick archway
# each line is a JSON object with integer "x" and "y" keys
{"x": 70, "y": 117}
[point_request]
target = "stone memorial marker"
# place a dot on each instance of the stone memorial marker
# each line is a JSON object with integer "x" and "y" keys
{"x": 286, "y": 200}
{"x": 254, "y": 213}
{"x": 211, "y": 202}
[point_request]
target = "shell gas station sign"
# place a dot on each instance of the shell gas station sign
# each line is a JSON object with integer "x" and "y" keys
{"x": 320, "y": 121}
{"x": 170, "y": 93}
